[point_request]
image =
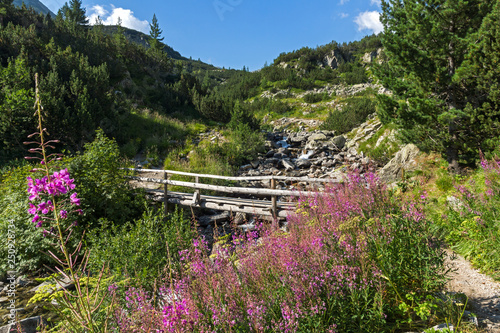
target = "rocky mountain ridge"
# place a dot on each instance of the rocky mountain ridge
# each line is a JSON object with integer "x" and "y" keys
{"x": 36, "y": 5}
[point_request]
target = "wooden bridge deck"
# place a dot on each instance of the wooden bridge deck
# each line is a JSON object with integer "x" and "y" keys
{"x": 250, "y": 206}
{"x": 271, "y": 207}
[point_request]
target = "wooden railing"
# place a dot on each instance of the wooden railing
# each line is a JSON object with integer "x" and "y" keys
{"x": 273, "y": 207}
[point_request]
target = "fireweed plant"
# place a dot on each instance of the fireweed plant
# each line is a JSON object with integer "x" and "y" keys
{"x": 354, "y": 259}
{"x": 54, "y": 205}
{"x": 471, "y": 223}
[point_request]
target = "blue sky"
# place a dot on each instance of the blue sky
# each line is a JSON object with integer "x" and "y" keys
{"x": 237, "y": 33}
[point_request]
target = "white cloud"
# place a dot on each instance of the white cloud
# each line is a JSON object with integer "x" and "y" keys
{"x": 343, "y": 15}
{"x": 126, "y": 15}
{"x": 343, "y": 1}
{"x": 376, "y": 2}
{"x": 370, "y": 21}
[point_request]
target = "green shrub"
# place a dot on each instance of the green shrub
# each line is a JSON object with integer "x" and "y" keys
{"x": 313, "y": 98}
{"x": 471, "y": 222}
{"x": 278, "y": 106}
{"x": 14, "y": 206}
{"x": 354, "y": 112}
{"x": 101, "y": 184}
{"x": 141, "y": 249}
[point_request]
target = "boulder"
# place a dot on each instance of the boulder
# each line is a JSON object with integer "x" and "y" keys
{"x": 303, "y": 163}
{"x": 28, "y": 325}
{"x": 288, "y": 164}
{"x": 404, "y": 160}
{"x": 333, "y": 59}
{"x": 339, "y": 142}
{"x": 368, "y": 57}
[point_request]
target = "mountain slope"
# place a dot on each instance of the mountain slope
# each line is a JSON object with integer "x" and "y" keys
{"x": 36, "y": 5}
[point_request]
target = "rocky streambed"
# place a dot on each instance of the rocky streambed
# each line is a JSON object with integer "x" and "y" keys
{"x": 317, "y": 154}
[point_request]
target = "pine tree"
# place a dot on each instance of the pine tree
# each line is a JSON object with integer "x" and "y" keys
{"x": 425, "y": 44}
{"x": 74, "y": 13}
{"x": 481, "y": 73}
{"x": 5, "y": 7}
{"x": 154, "y": 34}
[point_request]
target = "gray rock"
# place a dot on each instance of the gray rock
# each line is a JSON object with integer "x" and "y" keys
{"x": 443, "y": 327}
{"x": 328, "y": 163}
{"x": 212, "y": 219}
{"x": 288, "y": 164}
{"x": 28, "y": 325}
{"x": 21, "y": 282}
{"x": 318, "y": 137}
{"x": 339, "y": 141}
{"x": 270, "y": 153}
{"x": 240, "y": 218}
{"x": 246, "y": 167}
{"x": 404, "y": 160}
{"x": 365, "y": 160}
{"x": 303, "y": 163}
{"x": 333, "y": 59}
{"x": 297, "y": 138}
{"x": 283, "y": 151}
{"x": 255, "y": 164}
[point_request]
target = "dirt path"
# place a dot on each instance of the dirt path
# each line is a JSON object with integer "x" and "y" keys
{"x": 483, "y": 292}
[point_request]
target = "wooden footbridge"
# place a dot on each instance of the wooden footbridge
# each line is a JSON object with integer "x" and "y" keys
{"x": 265, "y": 204}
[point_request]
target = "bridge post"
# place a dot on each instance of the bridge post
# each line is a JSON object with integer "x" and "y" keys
{"x": 165, "y": 194}
{"x": 197, "y": 181}
{"x": 274, "y": 205}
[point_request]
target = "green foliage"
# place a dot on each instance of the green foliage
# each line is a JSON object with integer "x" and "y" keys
{"x": 101, "y": 184}
{"x": 141, "y": 249}
{"x": 470, "y": 223}
{"x": 88, "y": 79}
{"x": 426, "y": 44}
{"x": 354, "y": 112}
{"x": 444, "y": 181}
{"x": 14, "y": 206}
{"x": 16, "y": 103}
{"x": 154, "y": 34}
{"x": 75, "y": 13}
{"x": 315, "y": 97}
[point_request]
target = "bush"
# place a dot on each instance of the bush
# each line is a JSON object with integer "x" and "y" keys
{"x": 471, "y": 222}
{"x": 101, "y": 186}
{"x": 313, "y": 98}
{"x": 141, "y": 249}
{"x": 14, "y": 206}
{"x": 101, "y": 183}
{"x": 354, "y": 112}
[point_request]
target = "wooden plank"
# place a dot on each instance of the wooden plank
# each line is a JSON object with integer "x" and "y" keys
{"x": 222, "y": 206}
{"x": 227, "y": 189}
{"x": 233, "y": 201}
{"x": 249, "y": 206}
{"x": 274, "y": 208}
{"x": 165, "y": 195}
{"x": 250, "y": 178}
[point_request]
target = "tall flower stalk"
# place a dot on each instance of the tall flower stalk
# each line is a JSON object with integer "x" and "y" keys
{"x": 54, "y": 206}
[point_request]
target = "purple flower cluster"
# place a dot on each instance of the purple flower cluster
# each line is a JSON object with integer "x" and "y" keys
{"x": 56, "y": 185}
{"x": 270, "y": 280}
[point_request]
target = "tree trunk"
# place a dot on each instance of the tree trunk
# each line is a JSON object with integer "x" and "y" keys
{"x": 452, "y": 149}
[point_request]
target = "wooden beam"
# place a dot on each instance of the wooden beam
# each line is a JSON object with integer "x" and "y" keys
{"x": 250, "y": 178}
{"x": 227, "y": 189}
{"x": 165, "y": 194}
